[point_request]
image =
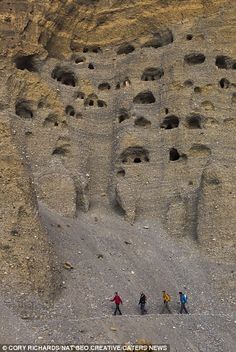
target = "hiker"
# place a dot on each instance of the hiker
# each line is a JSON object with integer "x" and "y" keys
{"x": 142, "y": 302}
{"x": 117, "y": 299}
{"x": 183, "y": 300}
{"x": 166, "y": 300}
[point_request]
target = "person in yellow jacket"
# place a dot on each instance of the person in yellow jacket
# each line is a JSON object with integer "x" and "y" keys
{"x": 166, "y": 300}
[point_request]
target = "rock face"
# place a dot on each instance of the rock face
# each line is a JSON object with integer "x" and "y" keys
{"x": 119, "y": 101}
{"x": 25, "y": 254}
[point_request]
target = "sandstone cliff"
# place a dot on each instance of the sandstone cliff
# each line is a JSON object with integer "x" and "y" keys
{"x": 114, "y": 104}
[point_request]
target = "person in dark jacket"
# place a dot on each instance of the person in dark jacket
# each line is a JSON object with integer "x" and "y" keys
{"x": 142, "y": 302}
{"x": 183, "y": 301}
{"x": 117, "y": 299}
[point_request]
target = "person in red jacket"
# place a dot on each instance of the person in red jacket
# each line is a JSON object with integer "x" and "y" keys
{"x": 117, "y": 299}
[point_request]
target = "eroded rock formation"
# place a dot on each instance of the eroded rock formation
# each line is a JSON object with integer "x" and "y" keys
{"x": 134, "y": 100}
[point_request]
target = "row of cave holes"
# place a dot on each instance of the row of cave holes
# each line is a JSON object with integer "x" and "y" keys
{"x": 32, "y": 62}
{"x": 67, "y": 77}
{"x": 223, "y": 83}
{"x": 221, "y": 61}
{"x": 145, "y": 97}
{"x": 135, "y": 155}
{"x": 139, "y": 154}
{"x": 170, "y": 122}
{"x": 159, "y": 39}
{"x": 23, "y": 110}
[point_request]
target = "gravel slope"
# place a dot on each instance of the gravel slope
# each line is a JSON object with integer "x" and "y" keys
{"x": 108, "y": 255}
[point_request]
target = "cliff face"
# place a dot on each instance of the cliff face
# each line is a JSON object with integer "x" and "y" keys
{"x": 126, "y": 104}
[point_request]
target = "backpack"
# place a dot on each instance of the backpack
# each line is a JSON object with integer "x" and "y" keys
{"x": 167, "y": 297}
{"x": 142, "y": 299}
{"x": 184, "y": 298}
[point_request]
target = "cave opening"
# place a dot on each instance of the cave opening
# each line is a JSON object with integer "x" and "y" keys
{"x": 194, "y": 121}
{"x": 170, "y": 122}
{"x": 225, "y": 62}
{"x": 92, "y": 49}
{"x": 101, "y": 104}
{"x": 174, "y": 154}
{"x": 70, "y": 110}
{"x": 197, "y": 90}
{"x": 152, "y": 74}
{"x": 142, "y": 122}
{"x": 62, "y": 151}
{"x": 121, "y": 172}
{"x": 135, "y": 155}
{"x": 137, "y": 160}
{"x": 91, "y": 100}
{"x": 80, "y": 59}
{"x": 26, "y": 62}
{"x": 51, "y": 120}
{"x": 125, "y": 49}
{"x": 80, "y": 95}
{"x": 64, "y": 76}
{"x": 194, "y": 59}
{"x": 188, "y": 83}
{"x": 145, "y": 97}
{"x": 224, "y": 83}
{"x": 104, "y": 86}
{"x": 24, "y": 110}
{"x": 123, "y": 115}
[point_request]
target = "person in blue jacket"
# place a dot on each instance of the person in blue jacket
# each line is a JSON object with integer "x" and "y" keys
{"x": 183, "y": 300}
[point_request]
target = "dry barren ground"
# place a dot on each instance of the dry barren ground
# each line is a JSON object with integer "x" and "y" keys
{"x": 107, "y": 255}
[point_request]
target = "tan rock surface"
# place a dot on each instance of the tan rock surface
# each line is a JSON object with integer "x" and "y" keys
{"x": 121, "y": 109}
